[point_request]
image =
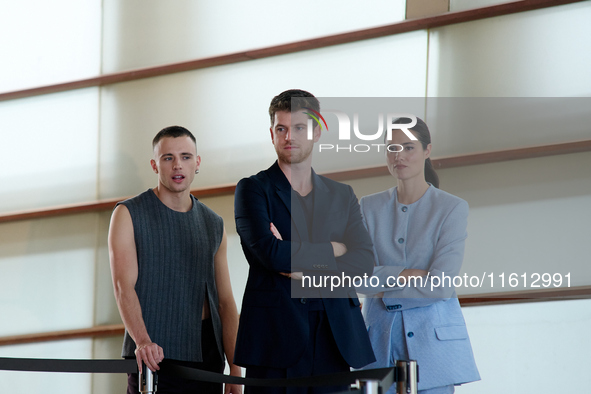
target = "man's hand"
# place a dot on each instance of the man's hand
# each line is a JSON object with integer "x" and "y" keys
{"x": 293, "y": 275}
{"x": 338, "y": 248}
{"x": 234, "y": 388}
{"x": 149, "y": 353}
{"x": 276, "y": 232}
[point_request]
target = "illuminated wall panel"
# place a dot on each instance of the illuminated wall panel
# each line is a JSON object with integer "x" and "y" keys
{"x": 147, "y": 33}
{"x": 48, "y": 42}
{"x": 541, "y": 53}
{"x": 49, "y": 150}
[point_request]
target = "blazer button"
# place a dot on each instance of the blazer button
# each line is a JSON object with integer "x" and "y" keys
{"x": 303, "y": 300}
{"x": 411, "y": 334}
{"x": 404, "y": 209}
{"x": 398, "y": 306}
{"x": 400, "y": 240}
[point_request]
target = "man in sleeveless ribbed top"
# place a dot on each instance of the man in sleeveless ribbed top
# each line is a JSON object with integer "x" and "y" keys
{"x": 170, "y": 272}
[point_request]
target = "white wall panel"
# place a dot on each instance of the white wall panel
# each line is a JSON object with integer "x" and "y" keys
{"x": 226, "y": 107}
{"x": 43, "y": 382}
{"x": 49, "y": 150}
{"x": 105, "y": 307}
{"x": 526, "y": 216}
{"x": 539, "y": 53}
{"x": 48, "y": 42}
{"x": 147, "y": 33}
{"x": 530, "y": 348}
{"x": 104, "y": 383}
{"x": 462, "y": 5}
{"x": 47, "y": 281}
{"x": 473, "y": 125}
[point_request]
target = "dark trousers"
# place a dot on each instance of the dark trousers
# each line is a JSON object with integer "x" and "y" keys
{"x": 212, "y": 361}
{"x": 320, "y": 357}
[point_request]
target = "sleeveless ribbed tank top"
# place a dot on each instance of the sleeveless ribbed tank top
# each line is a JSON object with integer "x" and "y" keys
{"x": 175, "y": 253}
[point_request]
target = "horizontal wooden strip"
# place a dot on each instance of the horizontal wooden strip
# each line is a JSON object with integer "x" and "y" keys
{"x": 102, "y": 205}
{"x": 474, "y": 159}
{"x": 513, "y": 154}
{"x": 406, "y": 26}
{"x": 523, "y": 296}
{"x": 228, "y": 189}
{"x": 93, "y": 332}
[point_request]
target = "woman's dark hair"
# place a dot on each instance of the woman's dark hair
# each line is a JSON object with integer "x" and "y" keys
{"x": 421, "y": 131}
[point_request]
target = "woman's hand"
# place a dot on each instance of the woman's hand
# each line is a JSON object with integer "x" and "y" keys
{"x": 407, "y": 273}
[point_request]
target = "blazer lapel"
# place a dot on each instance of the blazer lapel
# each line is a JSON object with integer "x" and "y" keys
{"x": 286, "y": 195}
{"x": 321, "y": 206}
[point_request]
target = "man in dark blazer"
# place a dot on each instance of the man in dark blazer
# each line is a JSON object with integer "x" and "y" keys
{"x": 293, "y": 222}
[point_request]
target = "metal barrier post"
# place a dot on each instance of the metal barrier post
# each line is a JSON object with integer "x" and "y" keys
{"x": 369, "y": 386}
{"x": 147, "y": 381}
{"x": 408, "y": 377}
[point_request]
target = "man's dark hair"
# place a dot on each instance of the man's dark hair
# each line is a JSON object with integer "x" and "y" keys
{"x": 283, "y": 102}
{"x": 174, "y": 132}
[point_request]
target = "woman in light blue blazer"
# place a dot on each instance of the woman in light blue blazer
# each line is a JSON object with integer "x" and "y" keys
{"x": 418, "y": 230}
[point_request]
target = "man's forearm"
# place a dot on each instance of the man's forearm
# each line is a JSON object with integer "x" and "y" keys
{"x": 131, "y": 314}
{"x": 229, "y": 317}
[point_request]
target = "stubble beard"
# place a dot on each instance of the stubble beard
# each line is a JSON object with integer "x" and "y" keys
{"x": 293, "y": 159}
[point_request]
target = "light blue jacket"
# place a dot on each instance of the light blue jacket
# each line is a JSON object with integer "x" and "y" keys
{"x": 428, "y": 234}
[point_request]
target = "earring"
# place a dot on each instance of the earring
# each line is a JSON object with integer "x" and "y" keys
{"x": 196, "y": 171}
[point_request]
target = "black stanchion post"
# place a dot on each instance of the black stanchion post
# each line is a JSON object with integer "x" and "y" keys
{"x": 147, "y": 381}
{"x": 408, "y": 375}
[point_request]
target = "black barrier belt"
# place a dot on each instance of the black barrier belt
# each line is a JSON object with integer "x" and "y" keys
{"x": 386, "y": 376}
{"x": 58, "y": 365}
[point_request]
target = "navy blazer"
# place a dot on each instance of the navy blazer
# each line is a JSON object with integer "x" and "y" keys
{"x": 273, "y": 328}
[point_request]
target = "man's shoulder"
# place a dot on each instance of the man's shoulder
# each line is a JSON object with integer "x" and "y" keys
{"x": 205, "y": 211}
{"x": 140, "y": 199}
{"x": 263, "y": 179}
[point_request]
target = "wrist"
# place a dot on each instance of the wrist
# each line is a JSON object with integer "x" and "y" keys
{"x": 235, "y": 370}
{"x": 142, "y": 344}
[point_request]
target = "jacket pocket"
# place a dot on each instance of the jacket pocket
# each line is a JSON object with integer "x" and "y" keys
{"x": 448, "y": 333}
